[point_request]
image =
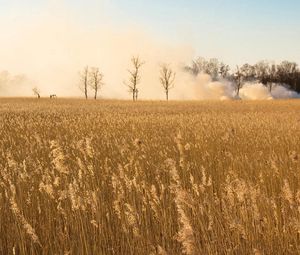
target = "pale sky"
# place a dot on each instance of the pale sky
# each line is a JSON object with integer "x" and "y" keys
{"x": 233, "y": 30}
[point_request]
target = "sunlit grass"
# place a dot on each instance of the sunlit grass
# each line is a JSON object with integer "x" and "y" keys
{"x": 116, "y": 177}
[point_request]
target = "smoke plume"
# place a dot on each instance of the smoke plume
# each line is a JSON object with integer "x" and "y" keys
{"x": 14, "y": 85}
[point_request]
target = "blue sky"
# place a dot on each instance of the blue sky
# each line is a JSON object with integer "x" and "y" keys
{"x": 235, "y": 31}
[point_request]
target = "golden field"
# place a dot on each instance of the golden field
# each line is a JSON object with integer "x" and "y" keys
{"x": 116, "y": 177}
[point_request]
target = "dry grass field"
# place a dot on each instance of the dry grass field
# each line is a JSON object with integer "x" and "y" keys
{"x": 116, "y": 177}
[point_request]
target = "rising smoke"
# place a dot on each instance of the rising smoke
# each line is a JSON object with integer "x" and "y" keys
{"x": 51, "y": 48}
{"x": 14, "y": 85}
{"x": 204, "y": 88}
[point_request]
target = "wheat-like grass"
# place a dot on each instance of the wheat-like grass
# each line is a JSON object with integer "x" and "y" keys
{"x": 116, "y": 177}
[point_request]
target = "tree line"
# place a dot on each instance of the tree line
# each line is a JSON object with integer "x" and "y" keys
{"x": 266, "y": 72}
{"x": 94, "y": 79}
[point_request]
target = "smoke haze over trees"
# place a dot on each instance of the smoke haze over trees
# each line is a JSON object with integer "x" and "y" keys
{"x": 14, "y": 85}
{"x": 213, "y": 78}
{"x": 267, "y": 73}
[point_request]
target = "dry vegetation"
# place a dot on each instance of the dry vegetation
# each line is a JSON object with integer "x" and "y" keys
{"x": 113, "y": 177}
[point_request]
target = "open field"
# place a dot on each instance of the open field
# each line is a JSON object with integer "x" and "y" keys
{"x": 116, "y": 177}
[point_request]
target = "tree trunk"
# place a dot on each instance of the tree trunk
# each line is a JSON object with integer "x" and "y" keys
{"x": 270, "y": 87}
{"x": 85, "y": 92}
{"x": 167, "y": 95}
{"x": 238, "y": 91}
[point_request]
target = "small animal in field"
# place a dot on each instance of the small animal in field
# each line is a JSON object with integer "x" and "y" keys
{"x": 53, "y": 96}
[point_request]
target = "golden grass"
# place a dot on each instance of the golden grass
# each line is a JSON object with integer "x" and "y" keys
{"x": 115, "y": 177}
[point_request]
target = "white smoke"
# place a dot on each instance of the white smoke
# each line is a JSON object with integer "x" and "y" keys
{"x": 282, "y": 92}
{"x": 257, "y": 91}
{"x": 201, "y": 87}
{"x": 14, "y": 85}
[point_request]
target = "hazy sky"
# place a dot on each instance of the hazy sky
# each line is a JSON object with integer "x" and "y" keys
{"x": 234, "y": 30}
{"x": 51, "y": 40}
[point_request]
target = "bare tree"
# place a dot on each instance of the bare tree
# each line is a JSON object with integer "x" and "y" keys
{"x": 248, "y": 72}
{"x": 84, "y": 81}
{"x": 262, "y": 71}
{"x": 193, "y": 68}
{"x": 36, "y": 92}
{"x": 238, "y": 81}
{"x": 167, "y": 79}
{"x": 135, "y": 77}
{"x": 96, "y": 80}
{"x": 224, "y": 70}
{"x": 212, "y": 67}
{"x": 288, "y": 73}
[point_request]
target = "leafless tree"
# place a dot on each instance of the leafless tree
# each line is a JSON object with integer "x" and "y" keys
{"x": 84, "y": 81}
{"x": 135, "y": 77}
{"x": 238, "y": 81}
{"x": 96, "y": 80}
{"x": 248, "y": 72}
{"x": 262, "y": 71}
{"x": 201, "y": 65}
{"x": 224, "y": 70}
{"x": 288, "y": 72}
{"x": 212, "y": 67}
{"x": 36, "y": 92}
{"x": 167, "y": 79}
{"x": 194, "y": 68}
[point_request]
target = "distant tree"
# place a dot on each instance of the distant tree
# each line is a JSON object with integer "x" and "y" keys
{"x": 238, "y": 81}
{"x": 212, "y": 67}
{"x": 36, "y": 92}
{"x": 84, "y": 81}
{"x": 265, "y": 72}
{"x": 288, "y": 73}
{"x": 96, "y": 80}
{"x": 193, "y": 68}
{"x": 198, "y": 66}
{"x": 167, "y": 79}
{"x": 224, "y": 70}
{"x": 272, "y": 76}
{"x": 248, "y": 72}
{"x": 134, "y": 77}
{"x": 297, "y": 82}
{"x": 262, "y": 72}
